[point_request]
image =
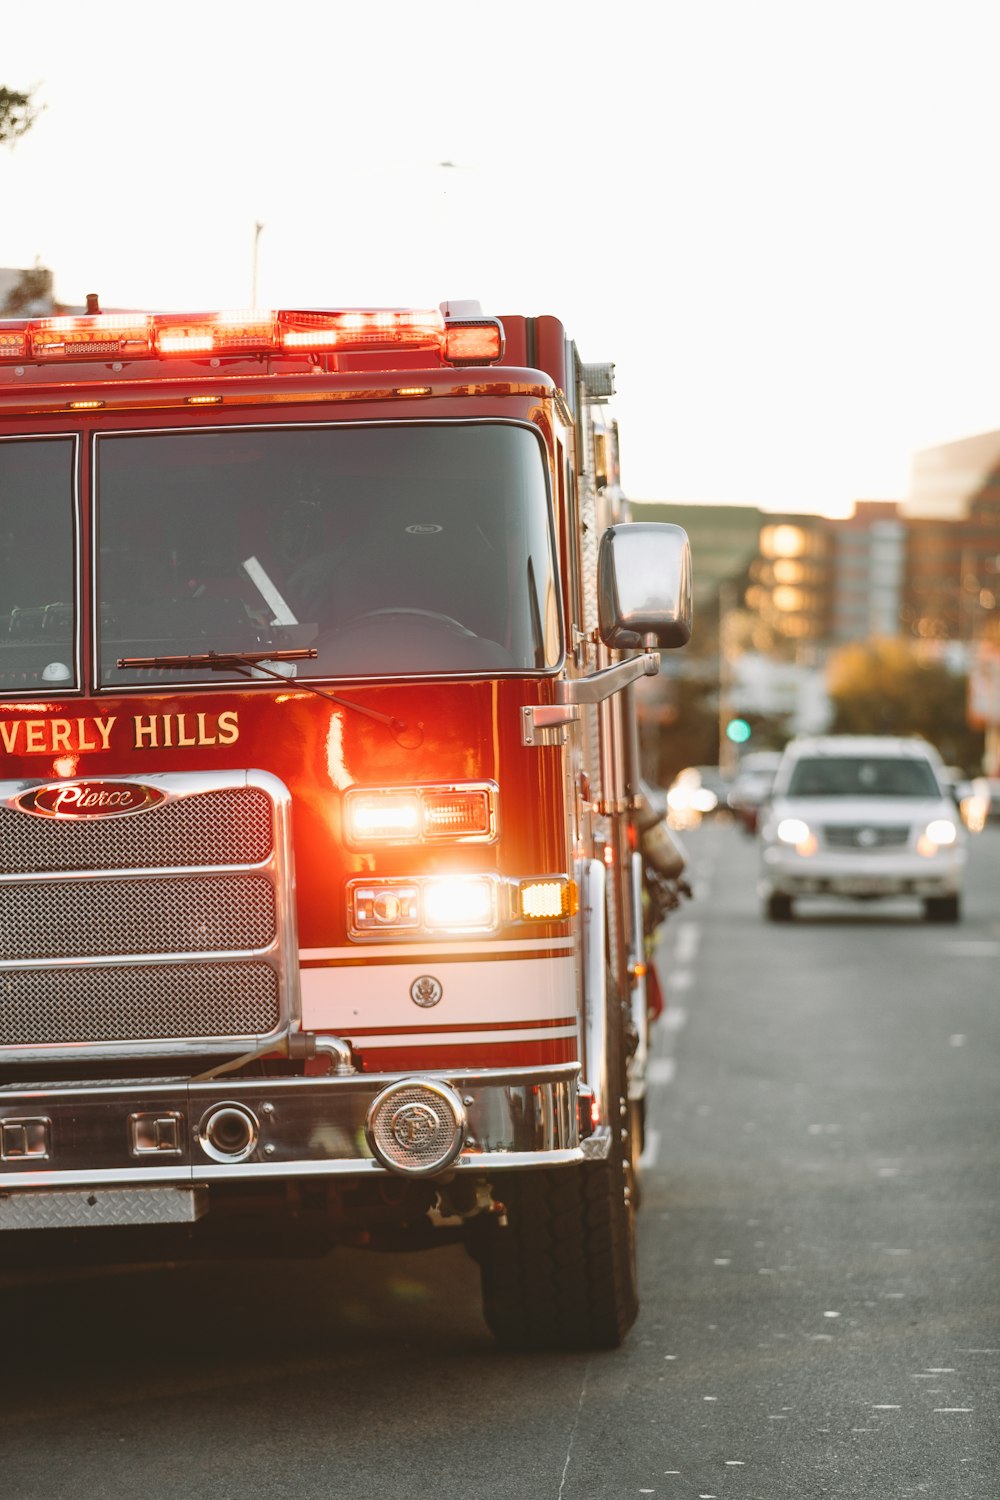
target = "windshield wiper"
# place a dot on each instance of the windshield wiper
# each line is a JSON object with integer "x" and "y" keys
{"x": 254, "y": 661}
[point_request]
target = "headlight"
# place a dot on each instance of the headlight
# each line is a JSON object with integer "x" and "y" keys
{"x": 460, "y": 902}
{"x": 798, "y": 833}
{"x": 445, "y": 814}
{"x": 432, "y": 906}
{"x": 940, "y": 834}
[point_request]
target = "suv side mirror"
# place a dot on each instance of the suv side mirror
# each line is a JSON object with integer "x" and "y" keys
{"x": 644, "y": 586}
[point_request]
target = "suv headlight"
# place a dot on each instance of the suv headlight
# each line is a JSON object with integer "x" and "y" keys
{"x": 939, "y": 834}
{"x": 796, "y": 831}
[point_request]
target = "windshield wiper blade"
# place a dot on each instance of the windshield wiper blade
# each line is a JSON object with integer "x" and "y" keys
{"x": 220, "y": 661}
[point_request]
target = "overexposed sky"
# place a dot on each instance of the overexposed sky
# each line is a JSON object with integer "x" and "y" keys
{"x": 778, "y": 217}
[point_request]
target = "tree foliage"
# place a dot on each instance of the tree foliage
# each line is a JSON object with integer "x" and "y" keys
{"x": 17, "y": 115}
{"x": 887, "y": 687}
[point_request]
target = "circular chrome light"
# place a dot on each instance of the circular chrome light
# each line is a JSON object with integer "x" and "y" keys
{"x": 416, "y": 1126}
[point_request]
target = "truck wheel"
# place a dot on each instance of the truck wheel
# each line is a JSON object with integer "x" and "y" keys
{"x": 561, "y": 1273}
{"x": 779, "y": 907}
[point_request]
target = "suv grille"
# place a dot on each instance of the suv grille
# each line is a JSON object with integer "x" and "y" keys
{"x": 866, "y": 836}
{"x": 163, "y": 930}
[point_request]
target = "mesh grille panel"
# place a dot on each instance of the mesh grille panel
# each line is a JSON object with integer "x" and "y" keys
{"x": 75, "y": 919}
{"x": 144, "y": 1002}
{"x": 228, "y": 827}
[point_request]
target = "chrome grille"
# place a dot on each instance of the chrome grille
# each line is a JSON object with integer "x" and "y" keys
{"x": 137, "y": 1003}
{"x": 233, "y": 826}
{"x": 866, "y": 836}
{"x": 153, "y": 932}
{"x": 105, "y": 918}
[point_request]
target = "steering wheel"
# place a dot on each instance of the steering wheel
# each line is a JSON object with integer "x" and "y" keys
{"x": 425, "y": 614}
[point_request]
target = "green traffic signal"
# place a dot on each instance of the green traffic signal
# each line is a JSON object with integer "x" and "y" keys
{"x": 738, "y": 730}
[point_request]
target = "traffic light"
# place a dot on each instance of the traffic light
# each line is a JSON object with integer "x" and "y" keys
{"x": 739, "y": 731}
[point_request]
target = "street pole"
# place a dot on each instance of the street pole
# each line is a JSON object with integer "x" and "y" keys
{"x": 727, "y": 750}
{"x": 253, "y": 275}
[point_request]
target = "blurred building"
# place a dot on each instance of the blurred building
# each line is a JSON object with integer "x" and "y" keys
{"x": 776, "y": 594}
{"x": 869, "y": 567}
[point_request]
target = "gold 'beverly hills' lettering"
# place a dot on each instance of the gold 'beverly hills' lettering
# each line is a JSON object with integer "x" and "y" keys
{"x": 52, "y": 736}
{"x": 166, "y": 731}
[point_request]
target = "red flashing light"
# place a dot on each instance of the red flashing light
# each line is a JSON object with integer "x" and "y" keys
{"x": 243, "y": 332}
{"x": 251, "y": 332}
{"x": 473, "y": 343}
{"x": 386, "y": 328}
{"x": 100, "y": 336}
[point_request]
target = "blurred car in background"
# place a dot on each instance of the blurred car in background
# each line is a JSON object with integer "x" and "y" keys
{"x": 861, "y": 817}
{"x": 979, "y": 800}
{"x": 752, "y": 786}
{"x": 695, "y": 793}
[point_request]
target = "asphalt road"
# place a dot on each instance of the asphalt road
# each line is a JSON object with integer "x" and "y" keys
{"x": 818, "y": 1256}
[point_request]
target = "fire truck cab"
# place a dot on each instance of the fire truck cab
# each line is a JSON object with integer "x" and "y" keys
{"x": 319, "y": 874}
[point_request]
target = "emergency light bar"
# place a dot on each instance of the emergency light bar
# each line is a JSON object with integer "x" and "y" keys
{"x": 252, "y": 331}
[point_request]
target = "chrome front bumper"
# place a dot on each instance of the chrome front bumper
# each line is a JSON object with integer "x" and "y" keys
{"x": 144, "y": 1133}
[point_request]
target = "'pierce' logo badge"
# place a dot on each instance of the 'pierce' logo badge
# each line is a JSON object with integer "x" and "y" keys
{"x": 426, "y": 990}
{"x": 89, "y": 799}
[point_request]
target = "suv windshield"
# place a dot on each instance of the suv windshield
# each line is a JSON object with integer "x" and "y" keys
{"x": 392, "y": 549}
{"x": 862, "y": 776}
{"x": 37, "y": 595}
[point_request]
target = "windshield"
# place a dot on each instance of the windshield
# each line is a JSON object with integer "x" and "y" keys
{"x": 36, "y": 564}
{"x": 863, "y": 776}
{"x": 392, "y": 549}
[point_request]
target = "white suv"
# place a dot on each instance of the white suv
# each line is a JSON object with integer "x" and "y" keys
{"x": 861, "y": 817}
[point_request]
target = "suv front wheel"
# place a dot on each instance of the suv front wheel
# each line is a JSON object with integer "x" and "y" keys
{"x": 942, "y": 909}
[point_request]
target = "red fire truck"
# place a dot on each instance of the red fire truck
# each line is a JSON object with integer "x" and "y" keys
{"x": 319, "y": 870}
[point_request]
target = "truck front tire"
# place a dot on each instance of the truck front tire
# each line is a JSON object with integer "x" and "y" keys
{"x": 558, "y": 1268}
{"x": 561, "y": 1272}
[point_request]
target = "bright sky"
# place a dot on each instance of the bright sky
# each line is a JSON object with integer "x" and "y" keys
{"x": 778, "y": 217}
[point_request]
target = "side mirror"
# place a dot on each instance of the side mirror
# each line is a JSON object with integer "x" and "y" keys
{"x": 644, "y": 586}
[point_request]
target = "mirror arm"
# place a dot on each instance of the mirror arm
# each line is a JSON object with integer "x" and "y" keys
{"x": 546, "y": 723}
{"x": 601, "y": 685}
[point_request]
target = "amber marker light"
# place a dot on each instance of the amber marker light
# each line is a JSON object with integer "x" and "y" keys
{"x": 203, "y": 401}
{"x": 547, "y": 900}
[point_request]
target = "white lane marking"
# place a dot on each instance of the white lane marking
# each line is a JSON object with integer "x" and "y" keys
{"x": 675, "y": 1017}
{"x": 576, "y": 1423}
{"x": 971, "y": 948}
{"x": 661, "y": 1070}
{"x": 686, "y": 946}
{"x": 650, "y": 1150}
{"x": 679, "y": 979}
